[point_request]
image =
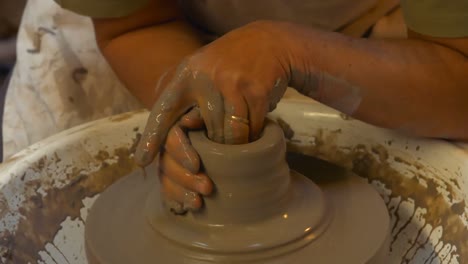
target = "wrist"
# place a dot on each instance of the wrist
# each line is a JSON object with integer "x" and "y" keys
{"x": 320, "y": 64}
{"x": 299, "y": 46}
{"x": 314, "y": 59}
{"x": 276, "y": 34}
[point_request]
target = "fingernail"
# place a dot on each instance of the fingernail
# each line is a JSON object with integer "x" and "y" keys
{"x": 142, "y": 157}
{"x": 190, "y": 201}
{"x": 175, "y": 207}
{"x": 202, "y": 185}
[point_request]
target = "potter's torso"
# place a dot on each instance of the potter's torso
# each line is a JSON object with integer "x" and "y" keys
{"x": 222, "y": 16}
{"x": 62, "y": 94}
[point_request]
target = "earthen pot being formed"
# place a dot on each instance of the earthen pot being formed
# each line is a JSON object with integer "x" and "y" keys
{"x": 260, "y": 212}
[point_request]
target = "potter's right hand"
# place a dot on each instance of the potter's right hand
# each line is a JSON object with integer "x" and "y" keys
{"x": 179, "y": 171}
{"x": 234, "y": 81}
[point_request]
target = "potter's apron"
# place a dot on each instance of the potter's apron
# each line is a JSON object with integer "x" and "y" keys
{"x": 61, "y": 80}
{"x": 350, "y": 17}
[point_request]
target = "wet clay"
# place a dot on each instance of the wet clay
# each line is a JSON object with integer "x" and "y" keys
{"x": 374, "y": 163}
{"x": 32, "y": 233}
{"x": 254, "y": 197}
{"x": 260, "y": 212}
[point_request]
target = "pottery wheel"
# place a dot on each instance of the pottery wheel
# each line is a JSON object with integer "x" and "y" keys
{"x": 341, "y": 221}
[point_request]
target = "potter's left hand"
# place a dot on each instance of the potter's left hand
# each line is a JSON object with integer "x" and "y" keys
{"x": 234, "y": 81}
{"x": 179, "y": 167}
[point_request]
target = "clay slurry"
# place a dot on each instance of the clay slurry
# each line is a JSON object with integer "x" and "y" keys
{"x": 286, "y": 222}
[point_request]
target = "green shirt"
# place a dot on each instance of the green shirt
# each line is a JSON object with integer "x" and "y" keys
{"x": 102, "y": 8}
{"x": 437, "y": 18}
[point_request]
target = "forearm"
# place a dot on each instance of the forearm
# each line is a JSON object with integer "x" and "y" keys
{"x": 143, "y": 47}
{"x": 416, "y": 86}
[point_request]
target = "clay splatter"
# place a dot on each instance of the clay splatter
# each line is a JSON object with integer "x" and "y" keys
{"x": 427, "y": 227}
{"x": 37, "y": 39}
{"x": 373, "y": 163}
{"x": 287, "y": 130}
{"x": 125, "y": 116}
{"x": 79, "y": 74}
{"x": 42, "y": 215}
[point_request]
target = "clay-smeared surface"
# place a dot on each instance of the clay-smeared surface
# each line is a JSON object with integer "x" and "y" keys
{"x": 421, "y": 215}
{"x": 44, "y": 207}
{"x": 418, "y": 236}
{"x": 42, "y": 215}
{"x": 117, "y": 221}
{"x": 261, "y": 213}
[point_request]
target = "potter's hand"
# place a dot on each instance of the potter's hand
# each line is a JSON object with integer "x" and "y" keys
{"x": 239, "y": 77}
{"x": 181, "y": 181}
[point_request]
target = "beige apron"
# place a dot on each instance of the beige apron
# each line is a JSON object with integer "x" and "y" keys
{"x": 360, "y": 25}
{"x": 350, "y": 17}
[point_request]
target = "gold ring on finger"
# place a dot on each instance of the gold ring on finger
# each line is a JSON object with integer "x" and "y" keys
{"x": 239, "y": 119}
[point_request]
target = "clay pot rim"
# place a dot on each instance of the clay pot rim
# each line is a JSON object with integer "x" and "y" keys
{"x": 269, "y": 130}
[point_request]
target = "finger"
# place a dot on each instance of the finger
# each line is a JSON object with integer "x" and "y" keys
{"x": 211, "y": 106}
{"x": 260, "y": 103}
{"x": 235, "y": 109}
{"x": 179, "y": 147}
{"x": 199, "y": 183}
{"x": 166, "y": 111}
{"x": 279, "y": 88}
{"x": 174, "y": 192}
{"x": 192, "y": 120}
{"x": 175, "y": 207}
{"x": 258, "y": 107}
{"x": 163, "y": 82}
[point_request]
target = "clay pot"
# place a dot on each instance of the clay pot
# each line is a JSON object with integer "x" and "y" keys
{"x": 260, "y": 212}
{"x": 251, "y": 180}
{"x": 257, "y": 203}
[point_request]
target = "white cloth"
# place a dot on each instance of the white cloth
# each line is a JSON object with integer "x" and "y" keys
{"x": 60, "y": 78}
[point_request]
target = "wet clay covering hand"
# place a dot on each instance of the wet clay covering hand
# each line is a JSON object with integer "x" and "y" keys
{"x": 260, "y": 212}
{"x": 257, "y": 203}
